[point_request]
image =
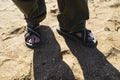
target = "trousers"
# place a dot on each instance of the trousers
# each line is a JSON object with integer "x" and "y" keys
{"x": 72, "y": 14}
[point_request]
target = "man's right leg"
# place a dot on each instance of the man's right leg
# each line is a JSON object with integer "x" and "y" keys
{"x": 34, "y": 12}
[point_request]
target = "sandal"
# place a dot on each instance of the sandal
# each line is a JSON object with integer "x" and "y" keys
{"x": 87, "y": 38}
{"x": 31, "y": 31}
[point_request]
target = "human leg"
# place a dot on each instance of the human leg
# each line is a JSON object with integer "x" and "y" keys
{"x": 72, "y": 19}
{"x": 73, "y": 15}
{"x": 34, "y": 12}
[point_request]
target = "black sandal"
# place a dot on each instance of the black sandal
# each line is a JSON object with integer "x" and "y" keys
{"x": 30, "y": 31}
{"x": 87, "y": 37}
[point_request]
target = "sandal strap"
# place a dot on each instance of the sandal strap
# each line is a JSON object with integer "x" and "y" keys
{"x": 33, "y": 31}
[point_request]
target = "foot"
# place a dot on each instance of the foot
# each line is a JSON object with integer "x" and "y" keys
{"x": 32, "y": 37}
{"x": 87, "y": 37}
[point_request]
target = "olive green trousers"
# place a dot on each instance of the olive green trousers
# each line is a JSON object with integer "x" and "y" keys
{"x": 72, "y": 13}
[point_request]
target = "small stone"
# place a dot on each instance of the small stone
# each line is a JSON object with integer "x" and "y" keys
{"x": 117, "y": 29}
{"x": 54, "y": 10}
{"x": 107, "y": 29}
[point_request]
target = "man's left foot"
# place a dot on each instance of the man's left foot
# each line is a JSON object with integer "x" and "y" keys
{"x": 86, "y": 36}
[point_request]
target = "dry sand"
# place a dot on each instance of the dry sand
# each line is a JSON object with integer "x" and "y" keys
{"x": 16, "y": 59}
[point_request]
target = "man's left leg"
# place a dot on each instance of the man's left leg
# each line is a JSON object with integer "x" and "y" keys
{"x": 72, "y": 19}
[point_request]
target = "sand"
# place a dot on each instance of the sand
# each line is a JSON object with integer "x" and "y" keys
{"x": 17, "y": 61}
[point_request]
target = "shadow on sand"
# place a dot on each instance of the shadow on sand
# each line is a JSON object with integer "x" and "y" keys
{"x": 47, "y": 59}
{"x": 93, "y": 63}
{"x": 48, "y": 64}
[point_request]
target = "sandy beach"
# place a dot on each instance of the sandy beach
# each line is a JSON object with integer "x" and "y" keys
{"x": 17, "y": 61}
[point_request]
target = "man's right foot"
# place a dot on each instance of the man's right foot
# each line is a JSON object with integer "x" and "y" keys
{"x": 32, "y": 37}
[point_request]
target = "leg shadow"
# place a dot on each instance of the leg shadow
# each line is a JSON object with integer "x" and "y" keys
{"x": 92, "y": 61}
{"x": 47, "y": 59}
